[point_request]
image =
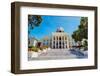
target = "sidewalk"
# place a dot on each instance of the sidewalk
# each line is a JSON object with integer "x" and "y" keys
{"x": 59, "y": 54}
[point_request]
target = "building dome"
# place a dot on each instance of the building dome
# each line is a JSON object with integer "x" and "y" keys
{"x": 60, "y": 29}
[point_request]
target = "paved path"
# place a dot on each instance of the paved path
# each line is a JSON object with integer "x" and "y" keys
{"x": 59, "y": 54}
{"x": 79, "y": 54}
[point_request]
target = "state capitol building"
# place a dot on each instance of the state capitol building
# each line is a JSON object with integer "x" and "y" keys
{"x": 58, "y": 40}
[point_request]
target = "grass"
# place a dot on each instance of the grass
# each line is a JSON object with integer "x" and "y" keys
{"x": 36, "y": 49}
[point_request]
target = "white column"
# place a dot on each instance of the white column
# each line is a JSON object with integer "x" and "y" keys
{"x": 52, "y": 41}
{"x": 58, "y": 41}
{"x": 65, "y": 44}
{"x": 55, "y": 41}
{"x": 61, "y": 42}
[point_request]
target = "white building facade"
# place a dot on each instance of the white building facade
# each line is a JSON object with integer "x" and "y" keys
{"x": 32, "y": 41}
{"x": 59, "y": 40}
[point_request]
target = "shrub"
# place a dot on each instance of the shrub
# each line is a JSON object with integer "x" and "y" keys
{"x": 45, "y": 47}
{"x": 30, "y": 46}
{"x": 41, "y": 48}
{"x": 35, "y": 49}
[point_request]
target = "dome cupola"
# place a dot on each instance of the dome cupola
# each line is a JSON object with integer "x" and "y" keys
{"x": 60, "y": 29}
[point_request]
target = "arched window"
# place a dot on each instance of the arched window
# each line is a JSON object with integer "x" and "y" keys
{"x": 53, "y": 42}
{"x": 65, "y": 38}
{"x": 54, "y": 38}
{"x": 59, "y": 38}
{"x": 53, "y": 46}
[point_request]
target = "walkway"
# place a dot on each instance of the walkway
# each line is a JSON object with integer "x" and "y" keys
{"x": 60, "y": 54}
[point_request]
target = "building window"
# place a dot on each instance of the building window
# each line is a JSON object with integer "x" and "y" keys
{"x": 53, "y": 46}
{"x": 43, "y": 43}
{"x": 53, "y": 42}
{"x": 60, "y": 42}
{"x": 59, "y": 38}
{"x": 65, "y": 38}
{"x": 54, "y": 38}
{"x": 63, "y": 43}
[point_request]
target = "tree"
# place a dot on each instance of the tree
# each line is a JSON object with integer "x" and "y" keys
{"x": 83, "y": 27}
{"x": 33, "y": 21}
{"x": 85, "y": 44}
{"x": 82, "y": 31}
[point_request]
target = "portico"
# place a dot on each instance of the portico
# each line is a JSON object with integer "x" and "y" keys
{"x": 60, "y": 40}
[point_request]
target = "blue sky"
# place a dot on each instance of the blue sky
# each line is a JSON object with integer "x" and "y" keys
{"x": 49, "y": 24}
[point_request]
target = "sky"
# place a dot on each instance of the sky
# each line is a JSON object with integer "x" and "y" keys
{"x": 50, "y": 24}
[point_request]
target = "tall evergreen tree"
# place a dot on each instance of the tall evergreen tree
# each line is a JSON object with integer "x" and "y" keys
{"x": 82, "y": 32}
